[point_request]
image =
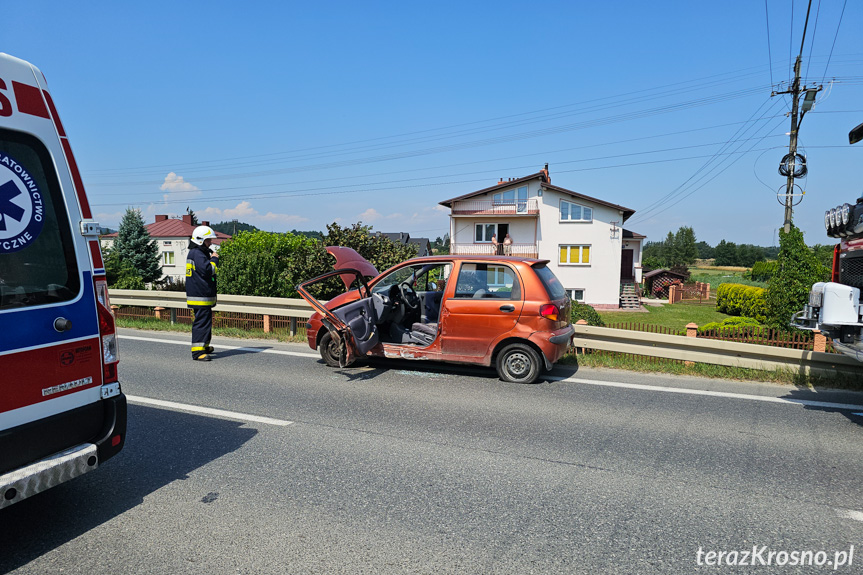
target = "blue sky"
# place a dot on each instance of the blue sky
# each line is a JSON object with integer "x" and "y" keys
{"x": 293, "y": 115}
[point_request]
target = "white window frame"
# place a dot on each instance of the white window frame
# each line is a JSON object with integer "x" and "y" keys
{"x": 572, "y": 295}
{"x": 165, "y": 258}
{"x": 518, "y": 199}
{"x": 580, "y": 248}
{"x": 569, "y": 206}
{"x": 484, "y": 229}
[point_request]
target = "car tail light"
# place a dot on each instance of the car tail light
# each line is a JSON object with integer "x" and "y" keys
{"x": 549, "y": 311}
{"x": 108, "y": 333}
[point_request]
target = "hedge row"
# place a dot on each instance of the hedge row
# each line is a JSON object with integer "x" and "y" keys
{"x": 742, "y": 300}
{"x": 762, "y": 271}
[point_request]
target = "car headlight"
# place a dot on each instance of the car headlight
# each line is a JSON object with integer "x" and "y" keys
{"x": 827, "y": 220}
{"x": 846, "y": 214}
{"x": 833, "y": 217}
{"x": 815, "y": 298}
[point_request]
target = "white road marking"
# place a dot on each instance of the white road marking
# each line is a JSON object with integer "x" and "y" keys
{"x": 850, "y": 514}
{"x": 641, "y": 387}
{"x": 251, "y": 349}
{"x": 206, "y": 411}
{"x": 807, "y": 402}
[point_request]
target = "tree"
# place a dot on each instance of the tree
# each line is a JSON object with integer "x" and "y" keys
{"x": 232, "y": 228}
{"x": 705, "y": 251}
{"x": 685, "y": 249}
{"x": 380, "y": 251}
{"x": 797, "y": 269}
{"x": 120, "y": 274}
{"x": 195, "y": 221}
{"x": 726, "y": 254}
{"x": 133, "y": 246}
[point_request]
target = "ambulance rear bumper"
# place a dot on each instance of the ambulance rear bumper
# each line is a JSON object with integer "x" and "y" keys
{"x": 49, "y": 472}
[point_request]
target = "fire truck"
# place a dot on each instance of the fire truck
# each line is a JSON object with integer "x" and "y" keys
{"x": 835, "y": 308}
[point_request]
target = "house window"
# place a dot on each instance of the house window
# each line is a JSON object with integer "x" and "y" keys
{"x": 574, "y": 255}
{"x": 167, "y": 258}
{"x": 484, "y": 232}
{"x": 517, "y": 197}
{"x": 570, "y": 212}
{"x": 166, "y": 243}
{"x": 575, "y": 294}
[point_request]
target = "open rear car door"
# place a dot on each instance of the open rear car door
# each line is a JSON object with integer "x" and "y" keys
{"x": 353, "y": 325}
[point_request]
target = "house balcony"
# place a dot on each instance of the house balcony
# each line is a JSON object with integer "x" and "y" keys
{"x": 518, "y": 250}
{"x": 528, "y": 207}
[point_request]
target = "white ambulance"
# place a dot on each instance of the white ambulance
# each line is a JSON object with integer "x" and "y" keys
{"x": 62, "y": 413}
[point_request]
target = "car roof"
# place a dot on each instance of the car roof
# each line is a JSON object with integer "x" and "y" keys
{"x": 460, "y": 258}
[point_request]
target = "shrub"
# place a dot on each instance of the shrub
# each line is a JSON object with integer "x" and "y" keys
{"x": 797, "y": 269}
{"x": 761, "y": 271}
{"x": 587, "y": 313}
{"x": 742, "y": 300}
{"x": 728, "y": 324}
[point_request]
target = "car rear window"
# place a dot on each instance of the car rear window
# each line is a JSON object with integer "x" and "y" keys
{"x": 549, "y": 280}
{"x": 37, "y": 257}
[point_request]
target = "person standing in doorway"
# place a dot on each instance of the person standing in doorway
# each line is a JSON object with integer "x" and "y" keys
{"x": 201, "y": 267}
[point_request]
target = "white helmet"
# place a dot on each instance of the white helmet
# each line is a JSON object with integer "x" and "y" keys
{"x": 202, "y": 233}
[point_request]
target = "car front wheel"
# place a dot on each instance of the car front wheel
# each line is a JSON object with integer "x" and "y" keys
{"x": 329, "y": 349}
{"x": 518, "y": 363}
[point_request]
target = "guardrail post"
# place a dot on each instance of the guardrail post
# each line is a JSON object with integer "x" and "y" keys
{"x": 266, "y": 324}
{"x": 293, "y": 326}
{"x": 173, "y": 316}
{"x": 580, "y": 350}
{"x": 691, "y": 331}
{"x": 820, "y": 343}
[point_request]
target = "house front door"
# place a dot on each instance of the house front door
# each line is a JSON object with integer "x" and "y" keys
{"x": 626, "y": 265}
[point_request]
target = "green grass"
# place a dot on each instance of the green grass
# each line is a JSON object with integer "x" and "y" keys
{"x": 671, "y": 316}
{"x": 717, "y": 277}
{"x": 162, "y": 325}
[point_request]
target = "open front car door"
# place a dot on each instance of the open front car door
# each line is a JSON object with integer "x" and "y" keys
{"x": 354, "y": 325}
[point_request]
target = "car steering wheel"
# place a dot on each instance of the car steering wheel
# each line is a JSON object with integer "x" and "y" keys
{"x": 409, "y": 295}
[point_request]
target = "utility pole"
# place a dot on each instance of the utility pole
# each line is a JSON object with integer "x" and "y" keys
{"x": 792, "y": 146}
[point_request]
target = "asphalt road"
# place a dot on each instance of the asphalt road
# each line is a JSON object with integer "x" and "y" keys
{"x": 419, "y": 468}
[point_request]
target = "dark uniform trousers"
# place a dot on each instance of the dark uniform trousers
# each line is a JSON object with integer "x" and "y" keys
{"x": 202, "y": 329}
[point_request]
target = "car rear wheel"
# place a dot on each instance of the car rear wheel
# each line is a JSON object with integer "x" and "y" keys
{"x": 329, "y": 349}
{"x": 518, "y": 363}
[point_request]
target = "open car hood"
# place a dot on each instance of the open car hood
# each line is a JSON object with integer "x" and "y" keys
{"x": 347, "y": 258}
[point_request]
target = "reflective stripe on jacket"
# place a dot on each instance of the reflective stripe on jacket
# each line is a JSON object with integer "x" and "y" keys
{"x": 201, "y": 267}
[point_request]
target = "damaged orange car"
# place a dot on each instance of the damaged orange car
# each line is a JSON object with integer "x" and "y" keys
{"x": 509, "y": 312}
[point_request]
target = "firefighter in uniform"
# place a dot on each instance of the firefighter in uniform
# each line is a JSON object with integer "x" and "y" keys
{"x": 201, "y": 266}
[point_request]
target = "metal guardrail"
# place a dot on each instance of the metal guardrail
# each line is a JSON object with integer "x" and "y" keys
{"x": 278, "y": 306}
{"x": 730, "y": 353}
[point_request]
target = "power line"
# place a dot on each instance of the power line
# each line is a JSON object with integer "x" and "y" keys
{"x": 769, "y": 54}
{"x": 841, "y": 15}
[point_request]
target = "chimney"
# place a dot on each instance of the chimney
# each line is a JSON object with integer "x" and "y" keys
{"x": 500, "y": 182}
{"x": 161, "y": 218}
{"x": 205, "y": 223}
{"x": 187, "y": 219}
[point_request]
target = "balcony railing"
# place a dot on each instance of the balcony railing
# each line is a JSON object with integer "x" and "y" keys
{"x": 528, "y": 207}
{"x": 520, "y": 250}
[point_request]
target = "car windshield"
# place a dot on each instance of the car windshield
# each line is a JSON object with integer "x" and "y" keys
{"x": 422, "y": 277}
{"x": 549, "y": 280}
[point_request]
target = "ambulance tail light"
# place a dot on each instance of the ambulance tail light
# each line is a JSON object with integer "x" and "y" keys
{"x": 549, "y": 311}
{"x": 108, "y": 333}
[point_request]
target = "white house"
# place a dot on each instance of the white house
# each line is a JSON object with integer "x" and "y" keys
{"x": 172, "y": 238}
{"x": 583, "y": 237}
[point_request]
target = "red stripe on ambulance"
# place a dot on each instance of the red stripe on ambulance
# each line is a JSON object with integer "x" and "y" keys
{"x": 29, "y": 99}
{"x": 51, "y": 372}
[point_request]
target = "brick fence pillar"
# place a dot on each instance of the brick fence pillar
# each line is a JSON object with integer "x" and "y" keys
{"x": 820, "y": 343}
{"x": 691, "y": 331}
{"x": 159, "y": 312}
{"x": 114, "y": 309}
{"x": 266, "y": 324}
{"x": 580, "y": 350}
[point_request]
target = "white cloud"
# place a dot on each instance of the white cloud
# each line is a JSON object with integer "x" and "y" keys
{"x": 175, "y": 184}
{"x": 245, "y": 212}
